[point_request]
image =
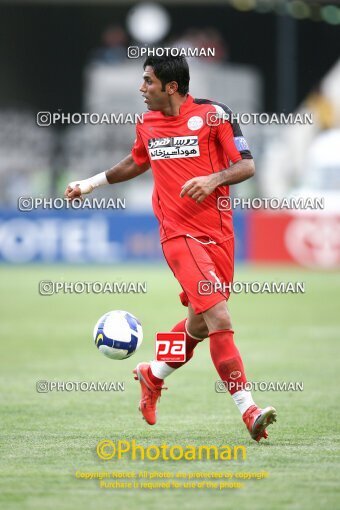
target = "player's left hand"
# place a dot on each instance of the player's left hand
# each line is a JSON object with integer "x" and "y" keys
{"x": 199, "y": 188}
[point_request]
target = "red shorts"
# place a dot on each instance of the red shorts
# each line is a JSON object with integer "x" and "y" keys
{"x": 203, "y": 270}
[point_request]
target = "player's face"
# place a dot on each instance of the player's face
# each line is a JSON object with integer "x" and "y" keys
{"x": 151, "y": 89}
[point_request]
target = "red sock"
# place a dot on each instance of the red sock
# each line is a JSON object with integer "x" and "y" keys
{"x": 190, "y": 346}
{"x": 227, "y": 359}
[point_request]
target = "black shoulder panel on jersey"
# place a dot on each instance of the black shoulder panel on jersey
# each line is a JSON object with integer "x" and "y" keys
{"x": 246, "y": 154}
{"x": 209, "y": 101}
{"x": 236, "y": 128}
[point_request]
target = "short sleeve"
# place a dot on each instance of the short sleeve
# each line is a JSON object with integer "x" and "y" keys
{"x": 233, "y": 142}
{"x": 138, "y": 151}
{"x": 229, "y": 134}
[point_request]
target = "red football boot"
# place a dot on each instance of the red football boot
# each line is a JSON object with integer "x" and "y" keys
{"x": 257, "y": 419}
{"x": 150, "y": 393}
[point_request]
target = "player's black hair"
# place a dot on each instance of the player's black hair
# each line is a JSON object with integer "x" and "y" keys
{"x": 170, "y": 68}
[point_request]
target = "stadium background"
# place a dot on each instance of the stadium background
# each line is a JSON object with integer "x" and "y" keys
{"x": 70, "y": 57}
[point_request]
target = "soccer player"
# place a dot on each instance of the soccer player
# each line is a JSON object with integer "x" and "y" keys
{"x": 195, "y": 152}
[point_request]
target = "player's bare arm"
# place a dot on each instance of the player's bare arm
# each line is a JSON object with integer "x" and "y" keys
{"x": 125, "y": 170}
{"x": 199, "y": 188}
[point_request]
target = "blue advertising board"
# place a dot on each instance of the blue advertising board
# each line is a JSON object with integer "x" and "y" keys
{"x": 75, "y": 237}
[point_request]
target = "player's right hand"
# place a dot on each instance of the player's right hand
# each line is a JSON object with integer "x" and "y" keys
{"x": 72, "y": 193}
{"x": 78, "y": 188}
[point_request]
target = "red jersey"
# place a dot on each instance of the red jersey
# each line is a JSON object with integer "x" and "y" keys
{"x": 194, "y": 143}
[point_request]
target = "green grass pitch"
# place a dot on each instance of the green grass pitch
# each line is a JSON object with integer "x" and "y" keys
{"x": 46, "y": 438}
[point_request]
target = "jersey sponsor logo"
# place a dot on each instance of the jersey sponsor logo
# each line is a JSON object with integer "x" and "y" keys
{"x": 173, "y": 147}
{"x": 172, "y": 141}
{"x": 241, "y": 143}
{"x": 195, "y": 123}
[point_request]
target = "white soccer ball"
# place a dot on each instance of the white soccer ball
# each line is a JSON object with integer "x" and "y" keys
{"x": 118, "y": 334}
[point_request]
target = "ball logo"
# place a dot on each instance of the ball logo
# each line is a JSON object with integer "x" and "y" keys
{"x": 235, "y": 375}
{"x": 170, "y": 347}
{"x": 99, "y": 337}
{"x": 195, "y": 123}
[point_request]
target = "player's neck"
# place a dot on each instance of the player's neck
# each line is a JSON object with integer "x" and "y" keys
{"x": 174, "y": 105}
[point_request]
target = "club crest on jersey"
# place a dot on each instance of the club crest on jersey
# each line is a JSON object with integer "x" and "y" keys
{"x": 173, "y": 147}
{"x": 195, "y": 123}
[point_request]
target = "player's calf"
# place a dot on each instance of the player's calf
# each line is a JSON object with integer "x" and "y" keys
{"x": 151, "y": 376}
{"x": 229, "y": 365}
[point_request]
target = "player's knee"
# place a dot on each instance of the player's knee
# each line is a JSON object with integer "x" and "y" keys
{"x": 219, "y": 320}
{"x": 222, "y": 322}
{"x": 197, "y": 330}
